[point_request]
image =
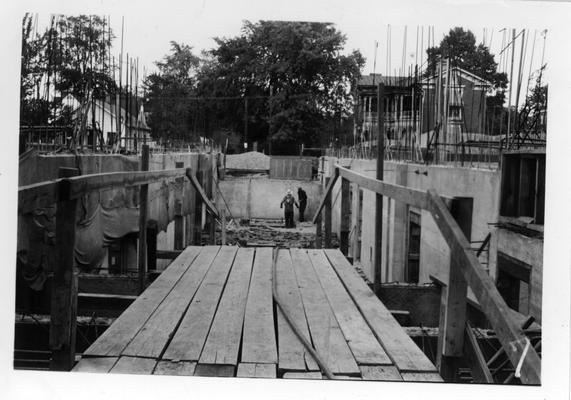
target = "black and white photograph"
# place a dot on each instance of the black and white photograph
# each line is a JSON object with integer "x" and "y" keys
{"x": 252, "y": 199}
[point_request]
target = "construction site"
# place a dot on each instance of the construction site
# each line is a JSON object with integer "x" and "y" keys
{"x": 417, "y": 256}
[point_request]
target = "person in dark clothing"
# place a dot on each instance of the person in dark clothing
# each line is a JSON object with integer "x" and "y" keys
{"x": 289, "y": 202}
{"x": 302, "y": 197}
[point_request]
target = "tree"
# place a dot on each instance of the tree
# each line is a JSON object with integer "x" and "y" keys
{"x": 299, "y": 63}
{"x": 531, "y": 118}
{"x": 168, "y": 93}
{"x": 69, "y": 58}
{"x": 459, "y": 46}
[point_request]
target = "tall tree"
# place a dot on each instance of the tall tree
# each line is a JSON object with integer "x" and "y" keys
{"x": 300, "y": 63}
{"x": 70, "y": 57}
{"x": 168, "y": 93}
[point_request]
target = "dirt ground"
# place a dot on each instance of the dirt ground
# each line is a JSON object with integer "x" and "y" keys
{"x": 272, "y": 233}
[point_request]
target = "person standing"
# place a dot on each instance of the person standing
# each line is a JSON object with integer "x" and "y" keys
{"x": 287, "y": 204}
{"x": 302, "y": 197}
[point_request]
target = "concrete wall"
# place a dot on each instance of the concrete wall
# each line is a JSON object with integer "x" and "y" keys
{"x": 260, "y": 197}
{"x": 482, "y": 185}
{"x": 527, "y": 250}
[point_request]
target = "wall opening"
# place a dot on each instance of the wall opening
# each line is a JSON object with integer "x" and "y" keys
{"x": 513, "y": 282}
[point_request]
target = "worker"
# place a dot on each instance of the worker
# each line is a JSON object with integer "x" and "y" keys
{"x": 289, "y": 202}
{"x": 302, "y": 197}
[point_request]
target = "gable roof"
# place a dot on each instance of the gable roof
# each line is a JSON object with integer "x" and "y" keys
{"x": 462, "y": 73}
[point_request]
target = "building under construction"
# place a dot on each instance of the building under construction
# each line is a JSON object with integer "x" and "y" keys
{"x": 422, "y": 259}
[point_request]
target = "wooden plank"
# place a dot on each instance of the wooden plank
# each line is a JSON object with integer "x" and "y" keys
{"x": 327, "y": 193}
{"x": 86, "y": 183}
{"x": 143, "y": 211}
{"x": 324, "y": 329}
{"x": 365, "y": 347}
{"x": 421, "y": 377}
{"x": 214, "y": 370}
{"x": 327, "y": 218}
{"x": 259, "y": 338}
{"x": 413, "y": 197}
{"x": 256, "y": 370}
{"x": 95, "y": 364}
{"x": 403, "y": 351}
{"x": 180, "y": 368}
{"x": 134, "y": 365}
{"x": 202, "y": 193}
{"x": 510, "y": 335}
{"x": 380, "y": 373}
{"x": 303, "y": 375}
{"x": 119, "y": 334}
{"x": 292, "y": 355}
{"x": 355, "y": 248}
{"x": 159, "y": 328}
{"x": 64, "y": 283}
{"x": 473, "y": 353}
{"x": 189, "y": 338}
{"x": 223, "y": 342}
{"x": 345, "y": 217}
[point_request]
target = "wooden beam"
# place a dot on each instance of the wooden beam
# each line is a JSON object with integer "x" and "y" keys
{"x": 480, "y": 369}
{"x": 202, "y": 193}
{"x": 510, "y": 335}
{"x": 143, "y": 211}
{"x": 345, "y": 217}
{"x": 328, "y": 219}
{"x": 210, "y": 218}
{"x": 64, "y": 283}
{"x": 453, "y": 302}
{"x": 413, "y": 197}
{"x": 223, "y": 227}
{"x": 87, "y": 183}
{"x": 318, "y": 233}
{"x": 327, "y": 194}
{"x": 355, "y": 249}
{"x": 152, "y": 233}
{"x": 178, "y": 217}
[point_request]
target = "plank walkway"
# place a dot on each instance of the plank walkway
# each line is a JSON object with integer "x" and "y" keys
{"x": 211, "y": 313}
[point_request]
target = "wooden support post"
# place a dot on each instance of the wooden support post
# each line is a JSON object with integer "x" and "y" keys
{"x": 152, "y": 232}
{"x": 143, "y": 210}
{"x": 198, "y": 208}
{"x": 453, "y": 300}
{"x": 355, "y": 248}
{"x": 210, "y": 217}
{"x": 318, "y": 234}
{"x": 178, "y": 217}
{"x": 345, "y": 217}
{"x": 64, "y": 284}
{"x": 378, "y": 262}
{"x": 223, "y": 227}
{"x": 327, "y": 217}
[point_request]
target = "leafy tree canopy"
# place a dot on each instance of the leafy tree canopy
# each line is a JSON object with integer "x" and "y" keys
{"x": 168, "y": 91}
{"x": 300, "y": 63}
{"x": 460, "y": 47}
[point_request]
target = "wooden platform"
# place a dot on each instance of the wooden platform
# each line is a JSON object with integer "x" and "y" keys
{"x": 211, "y": 313}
